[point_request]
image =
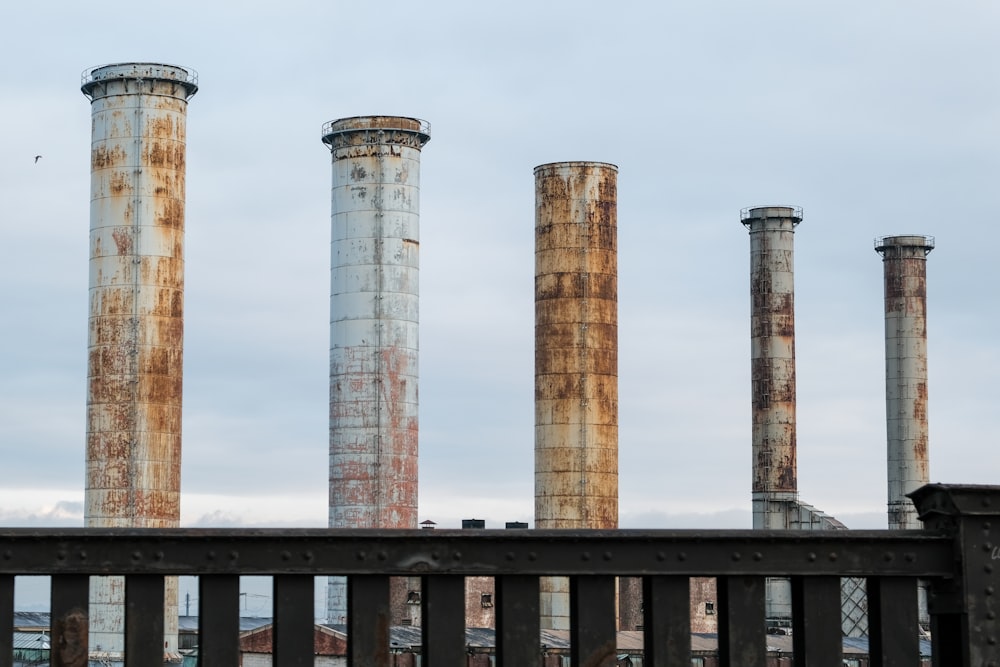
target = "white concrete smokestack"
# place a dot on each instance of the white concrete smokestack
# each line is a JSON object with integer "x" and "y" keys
{"x": 136, "y": 318}
{"x": 373, "y": 330}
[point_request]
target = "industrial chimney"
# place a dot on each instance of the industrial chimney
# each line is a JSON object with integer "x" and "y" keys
{"x": 576, "y": 357}
{"x": 772, "y": 362}
{"x": 904, "y": 261}
{"x": 373, "y": 330}
{"x": 775, "y": 495}
{"x": 136, "y": 318}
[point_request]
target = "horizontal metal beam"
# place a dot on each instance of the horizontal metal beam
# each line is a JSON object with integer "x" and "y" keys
{"x": 472, "y": 553}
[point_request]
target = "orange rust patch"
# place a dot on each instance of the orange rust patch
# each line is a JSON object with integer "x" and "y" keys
{"x": 123, "y": 240}
{"x": 171, "y": 214}
{"x": 102, "y": 158}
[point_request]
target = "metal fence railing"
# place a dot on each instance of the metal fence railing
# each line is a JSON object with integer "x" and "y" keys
{"x": 955, "y": 554}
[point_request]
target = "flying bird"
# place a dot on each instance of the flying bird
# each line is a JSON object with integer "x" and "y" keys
{"x": 37, "y": 158}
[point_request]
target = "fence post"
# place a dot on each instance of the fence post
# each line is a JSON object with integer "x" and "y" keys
{"x": 965, "y": 628}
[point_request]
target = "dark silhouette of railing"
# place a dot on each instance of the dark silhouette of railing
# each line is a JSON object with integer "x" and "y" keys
{"x": 955, "y": 553}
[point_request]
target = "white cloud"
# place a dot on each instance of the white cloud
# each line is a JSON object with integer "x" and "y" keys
{"x": 33, "y": 508}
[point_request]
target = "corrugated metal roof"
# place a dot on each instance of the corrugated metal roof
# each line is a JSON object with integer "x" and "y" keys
{"x": 860, "y": 644}
{"x": 409, "y": 637}
{"x": 31, "y": 640}
{"x": 629, "y": 641}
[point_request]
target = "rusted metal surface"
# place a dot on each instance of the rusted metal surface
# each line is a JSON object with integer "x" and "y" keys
{"x": 904, "y": 262}
{"x": 576, "y": 356}
{"x": 772, "y": 364}
{"x": 628, "y": 552}
{"x": 135, "y": 352}
{"x": 373, "y": 327}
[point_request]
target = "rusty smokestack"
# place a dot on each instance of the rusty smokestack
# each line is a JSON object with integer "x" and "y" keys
{"x": 136, "y": 317}
{"x": 772, "y": 361}
{"x": 373, "y": 330}
{"x": 904, "y": 262}
{"x": 576, "y": 356}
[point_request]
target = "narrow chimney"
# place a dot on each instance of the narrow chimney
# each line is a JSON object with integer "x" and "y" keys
{"x": 904, "y": 262}
{"x": 772, "y": 361}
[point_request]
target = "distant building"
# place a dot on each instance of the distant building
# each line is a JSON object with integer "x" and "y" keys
{"x": 405, "y": 644}
{"x": 31, "y": 648}
{"x": 329, "y": 646}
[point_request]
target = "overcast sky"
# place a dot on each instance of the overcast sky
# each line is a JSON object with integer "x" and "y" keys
{"x": 875, "y": 117}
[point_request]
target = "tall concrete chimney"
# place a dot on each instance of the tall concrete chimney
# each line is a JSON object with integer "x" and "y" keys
{"x": 576, "y": 356}
{"x": 772, "y": 362}
{"x": 373, "y": 329}
{"x": 904, "y": 261}
{"x": 136, "y": 318}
